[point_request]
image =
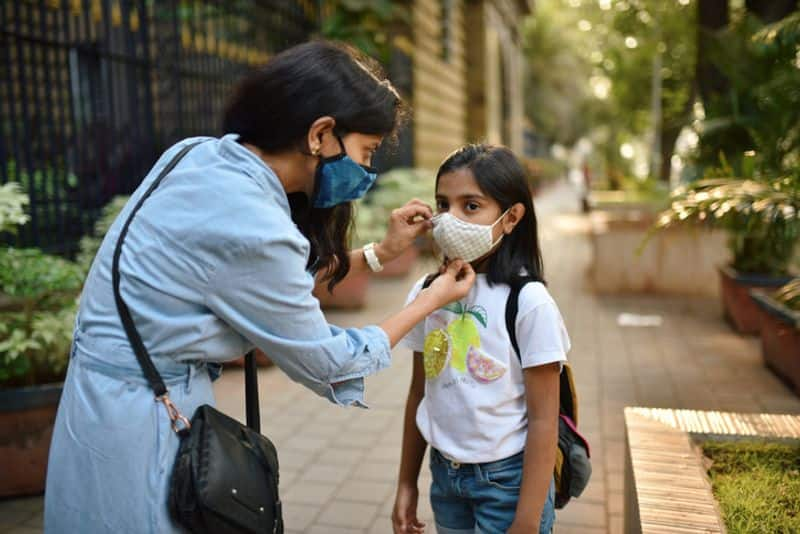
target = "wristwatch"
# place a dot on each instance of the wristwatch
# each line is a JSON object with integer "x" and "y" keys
{"x": 372, "y": 258}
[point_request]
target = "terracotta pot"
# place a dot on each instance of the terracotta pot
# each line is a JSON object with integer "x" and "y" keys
{"x": 740, "y": 310}
{"x": 401, "y": 265}
{"x": 262, "y": 360}
{"x": 27, "y": 416}
{"x": 350, "y": 293}
{"x": 780, "y": 339}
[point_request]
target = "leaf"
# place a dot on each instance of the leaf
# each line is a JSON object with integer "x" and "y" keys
{"x": 479, "y": 312}
{"x": 455, "y": 307}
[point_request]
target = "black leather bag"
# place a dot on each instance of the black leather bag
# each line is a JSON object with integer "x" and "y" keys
{"x": 225, "y": 477}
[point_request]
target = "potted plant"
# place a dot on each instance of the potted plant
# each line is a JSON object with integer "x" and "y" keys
{"x": 38, "y": 300}
{"x": 780, "y": 331}
{"x": 762, "y": 218}
{"x": 393, "y": 190}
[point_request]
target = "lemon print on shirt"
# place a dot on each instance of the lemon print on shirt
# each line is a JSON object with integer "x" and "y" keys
{"x": 435, "y": 353}
{"x": 464, "y": 332}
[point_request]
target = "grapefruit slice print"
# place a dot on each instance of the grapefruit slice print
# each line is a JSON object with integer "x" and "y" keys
{"x": 483, "y": 367}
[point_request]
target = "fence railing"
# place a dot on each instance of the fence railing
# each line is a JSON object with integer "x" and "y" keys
{"x": 91, "y": 91}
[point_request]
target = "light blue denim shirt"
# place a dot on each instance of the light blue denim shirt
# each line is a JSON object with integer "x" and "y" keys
{"x": 211, "y": 267}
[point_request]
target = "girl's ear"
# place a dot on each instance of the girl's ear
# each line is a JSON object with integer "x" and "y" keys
{"x": 513, "y": 217}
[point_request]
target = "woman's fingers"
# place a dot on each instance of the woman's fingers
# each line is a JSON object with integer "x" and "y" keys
{"x": 413, "y": 209}
{"x": 454, "y": 268}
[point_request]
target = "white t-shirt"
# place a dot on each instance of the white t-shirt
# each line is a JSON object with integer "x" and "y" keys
{"x": 474, "y": 408}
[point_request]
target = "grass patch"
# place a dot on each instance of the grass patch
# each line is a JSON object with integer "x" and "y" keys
{"x": 757, "y": 485}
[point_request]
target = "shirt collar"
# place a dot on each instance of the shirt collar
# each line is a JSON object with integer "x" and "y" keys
{"x": 253, "y": 166}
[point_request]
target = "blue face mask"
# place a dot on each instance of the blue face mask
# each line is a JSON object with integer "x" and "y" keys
{"x": 340, "y": 179}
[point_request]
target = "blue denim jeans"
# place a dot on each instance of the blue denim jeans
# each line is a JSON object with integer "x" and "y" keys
{"x": 480, "y": 498}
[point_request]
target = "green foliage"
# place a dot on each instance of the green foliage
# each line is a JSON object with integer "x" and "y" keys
{"x": 12, "y": 207}
{"x": 90, "y": 244}
{"x": 757, "y": 485}
{"x": 365, "y": 24}
{"x": 762, "y": 217}
{"x": 38, "y": 302}
{"x": 32, "y": 274}
{"x": 575, "y": 49}
{"x": 789, "y": 295}
{"x": 50, "y": 182}
{"x": 392, "y": 191}
{"x": 37, "y": 309}
{"x": 760, "y": 111}
{"x": 34, "y": 348}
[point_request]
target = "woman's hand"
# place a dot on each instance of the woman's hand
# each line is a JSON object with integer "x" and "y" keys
{"x": 404, "y": 515}
{"x": 405, "y": 225}
{"x": 453, "y": 283}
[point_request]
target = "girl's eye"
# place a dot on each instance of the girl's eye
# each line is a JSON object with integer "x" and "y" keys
{"x": 472, "y": 206}
{"x": 441, "y": 205}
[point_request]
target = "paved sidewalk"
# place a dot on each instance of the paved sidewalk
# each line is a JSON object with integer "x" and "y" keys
{"x": 338, "y": 466}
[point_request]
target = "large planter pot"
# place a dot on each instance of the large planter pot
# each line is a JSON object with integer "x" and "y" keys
{"x": 780, "y": 338}
{"x": 676, "y": 261}
{"x": 27, "y": 416}
{"x": 350, "y": 293}
{"x": 739, "y": 309}
{"x": 401, "y": 265}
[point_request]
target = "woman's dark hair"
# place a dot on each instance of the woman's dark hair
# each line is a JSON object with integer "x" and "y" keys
{"x": 273, "y": 107}
{"x": 501, "y": 176}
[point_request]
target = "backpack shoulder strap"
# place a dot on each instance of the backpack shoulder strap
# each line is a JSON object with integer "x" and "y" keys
{"x": 567, "y": 396}
{"x": 512, "y": 309}
{"x": 429, "y": 280}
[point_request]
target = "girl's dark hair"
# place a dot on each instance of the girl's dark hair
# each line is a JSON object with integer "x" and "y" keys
{"x": 501, "y": 176}
{"x": 273, "y": 107}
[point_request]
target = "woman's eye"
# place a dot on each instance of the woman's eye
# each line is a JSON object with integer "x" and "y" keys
{"x": 472, "y": 206}
{"x": 441, "y": 205}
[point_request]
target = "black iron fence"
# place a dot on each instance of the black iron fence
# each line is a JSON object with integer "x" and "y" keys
{"x": 91, "y": 91}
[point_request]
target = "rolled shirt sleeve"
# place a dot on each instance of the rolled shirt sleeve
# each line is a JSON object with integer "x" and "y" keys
{"x": 263, "y": 292}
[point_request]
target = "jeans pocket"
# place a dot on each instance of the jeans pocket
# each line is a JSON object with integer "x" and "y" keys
{"x": 508, "y": 479}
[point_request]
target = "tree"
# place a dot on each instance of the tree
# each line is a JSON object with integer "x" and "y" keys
{"x": 601, "y": 59}
{"x": 770, "y": 10}
{"x": 712, "y": 16}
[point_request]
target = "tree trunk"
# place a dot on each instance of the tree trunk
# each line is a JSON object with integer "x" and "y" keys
{"x": 668, "y": 138}
{"x": 770, "y": 10}
{"x": 712, "y": 16}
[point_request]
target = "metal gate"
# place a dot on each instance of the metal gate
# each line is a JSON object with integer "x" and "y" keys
{"x": 91, "y": 92}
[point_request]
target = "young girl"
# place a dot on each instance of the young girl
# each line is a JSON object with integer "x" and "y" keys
{"x": 490, "y": 417}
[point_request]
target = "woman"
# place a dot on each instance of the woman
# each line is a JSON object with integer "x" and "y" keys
{"x": 217, "y": 261}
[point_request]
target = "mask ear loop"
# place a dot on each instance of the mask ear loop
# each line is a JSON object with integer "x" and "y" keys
{"x": 502, "y": 234}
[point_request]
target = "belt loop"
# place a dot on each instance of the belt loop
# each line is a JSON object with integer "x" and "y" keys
{"x": 190, "y": 377}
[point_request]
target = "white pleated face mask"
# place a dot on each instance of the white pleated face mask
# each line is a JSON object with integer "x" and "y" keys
{"x": 462, "y": 240}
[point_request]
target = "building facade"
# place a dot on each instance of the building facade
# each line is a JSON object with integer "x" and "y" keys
{"x": 467, "y": 75}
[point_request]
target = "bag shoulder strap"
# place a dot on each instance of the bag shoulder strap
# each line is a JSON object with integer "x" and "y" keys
{"x": 567, "y": 405}
{"x": 149, "y": 370}
{"x": 145, "y": 362}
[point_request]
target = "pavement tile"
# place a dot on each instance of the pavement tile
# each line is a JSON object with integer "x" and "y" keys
{"x": 308, "y": 492}
{"x": 298, "y": 516}
{"x": 348, "y": 514}
{"x": 579, "y": 513}
{"x": 368, "y": 492}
